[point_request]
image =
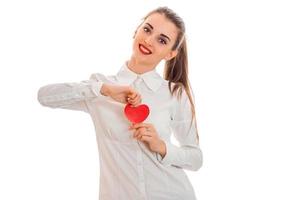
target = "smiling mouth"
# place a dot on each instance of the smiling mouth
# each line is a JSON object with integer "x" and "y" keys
{"x": 144, "y": 50}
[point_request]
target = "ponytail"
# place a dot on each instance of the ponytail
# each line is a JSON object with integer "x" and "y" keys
{"x": 176, "y": 71}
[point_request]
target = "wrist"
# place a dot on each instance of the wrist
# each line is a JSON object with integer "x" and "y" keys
{"x": 104, "y": 89}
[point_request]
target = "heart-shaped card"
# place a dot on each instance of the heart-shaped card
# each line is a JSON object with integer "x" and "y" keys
{"x": 136, "y": 114}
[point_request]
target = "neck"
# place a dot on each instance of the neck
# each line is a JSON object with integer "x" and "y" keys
{"x": 139, "y": 67}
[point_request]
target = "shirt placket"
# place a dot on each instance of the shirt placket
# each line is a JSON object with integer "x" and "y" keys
{"x": 140, "y": 170}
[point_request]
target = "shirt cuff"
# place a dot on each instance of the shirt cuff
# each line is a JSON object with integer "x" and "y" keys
{"x": 96, "y": 87}
{"x": 168, "y": 158}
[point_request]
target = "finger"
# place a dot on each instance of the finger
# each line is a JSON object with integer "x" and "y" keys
{"x": 134, "y": 99}
{"x": 138, "y": 131}
{"x": 138, "y": 137}
{"x": 140, "y": 134}
{"x": 138, "y": 125}
{"x": 138, "y": 99}
{"x": 130, "y": 101}
{"x": 133, "y": 95}
{"x": 129, "y": 97}
{"x": 136, "y": 134}
{"x": 145, "y": 138}
{"x": 135, "y": 102}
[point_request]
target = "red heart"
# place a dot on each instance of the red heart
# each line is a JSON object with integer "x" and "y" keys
{"x": 136, "y": 114}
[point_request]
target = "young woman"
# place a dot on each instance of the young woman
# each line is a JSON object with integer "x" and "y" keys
{"x": 138, "y": 160}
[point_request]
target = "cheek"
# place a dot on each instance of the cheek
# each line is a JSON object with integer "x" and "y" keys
{"x": 139, "y": 35}
{"x": 135, "y": 45}
{"x": 137, "y": 40}
{"x": 161, "y": 52}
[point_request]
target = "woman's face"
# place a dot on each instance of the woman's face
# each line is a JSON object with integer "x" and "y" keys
{"x": 154, "y": 40}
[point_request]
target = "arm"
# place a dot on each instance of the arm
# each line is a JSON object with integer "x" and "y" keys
{"x": 188, "y": 155}
{"x": 73, "y": 95}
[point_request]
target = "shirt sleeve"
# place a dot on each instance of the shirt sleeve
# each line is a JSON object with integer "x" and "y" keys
{"x": 188, "y": 154}
{"x": 72, "y": 95}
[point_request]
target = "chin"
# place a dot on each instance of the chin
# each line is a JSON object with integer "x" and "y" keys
{"x": 139, "y": 56}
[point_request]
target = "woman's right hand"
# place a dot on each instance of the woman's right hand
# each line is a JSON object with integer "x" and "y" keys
{"x": 122, "y": 94}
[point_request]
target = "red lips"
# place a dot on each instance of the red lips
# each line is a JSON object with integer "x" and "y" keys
{"x": 136, "y": 114}
{"x": 144, "y": 49}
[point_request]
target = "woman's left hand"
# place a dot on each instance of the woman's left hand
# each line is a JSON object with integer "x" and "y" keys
{"x": 147, "y": 133}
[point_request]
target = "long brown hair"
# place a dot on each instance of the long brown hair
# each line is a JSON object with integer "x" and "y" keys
{"x": 176, "y": 69}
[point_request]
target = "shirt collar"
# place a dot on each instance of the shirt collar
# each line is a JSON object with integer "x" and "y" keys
{"x": 151, "y": 78}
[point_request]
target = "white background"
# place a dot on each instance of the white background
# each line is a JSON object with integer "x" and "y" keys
{"x": 238, "y": 56}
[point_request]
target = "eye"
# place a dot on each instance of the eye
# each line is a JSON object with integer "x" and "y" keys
{"x": 162, "y": 41}
{"x": 146, "y": 29}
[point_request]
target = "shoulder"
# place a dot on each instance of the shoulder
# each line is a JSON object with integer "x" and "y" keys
{"x": 182, "y": 94}
{"x": 102, "y": 77}
{"x": 177, "y": 89}
{"x": 165, "y": 84}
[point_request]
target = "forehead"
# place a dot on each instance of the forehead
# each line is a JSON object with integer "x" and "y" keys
{"x": 162, "y": 25}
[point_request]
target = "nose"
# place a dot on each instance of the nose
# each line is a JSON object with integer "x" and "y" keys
{"x": 148, "y": 40}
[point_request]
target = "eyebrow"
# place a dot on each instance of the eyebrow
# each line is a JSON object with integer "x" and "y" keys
{"x": 160, "y": 34}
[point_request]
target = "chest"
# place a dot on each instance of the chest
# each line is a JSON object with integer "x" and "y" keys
{"x": 110, "y": 114}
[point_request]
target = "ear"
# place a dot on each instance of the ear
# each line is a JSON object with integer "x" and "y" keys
{"x": 171, "y": 55}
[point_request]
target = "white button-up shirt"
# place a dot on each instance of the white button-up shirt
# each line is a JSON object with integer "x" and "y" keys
{"x": 128, "y": 169}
